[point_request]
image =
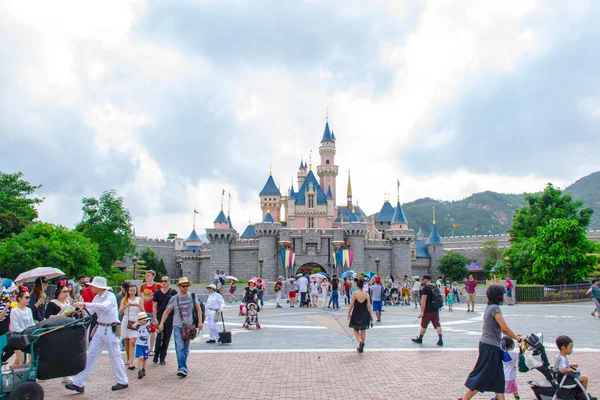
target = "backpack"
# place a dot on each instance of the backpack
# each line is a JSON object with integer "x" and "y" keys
{"x": 437, "y": 301}
{"x": 276, "y": 287}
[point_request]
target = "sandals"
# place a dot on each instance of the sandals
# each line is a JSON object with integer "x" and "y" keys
{"x": 151, "y": 354}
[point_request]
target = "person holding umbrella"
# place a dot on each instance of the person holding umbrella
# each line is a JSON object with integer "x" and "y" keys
{"x": 37, "y": 302}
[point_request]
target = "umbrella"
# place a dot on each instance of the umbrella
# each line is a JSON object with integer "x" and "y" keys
{"x": 370, "y": 275}
{"x": 230, "y": 278}
{"x": 322, "y": 273}
{"x": 300, "y": 274}
{"x": 348, "y": 273}
{"x": 40, "y": 272}
{"x": 317, "y": 276}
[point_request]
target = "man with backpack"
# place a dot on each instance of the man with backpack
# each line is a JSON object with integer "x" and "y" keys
{"x": 431, "y": 303}
{"x": 278, "y": 288}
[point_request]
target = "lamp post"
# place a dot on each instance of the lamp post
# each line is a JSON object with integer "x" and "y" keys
{"x": 134, "y": 260}
{"x": 260, "y": 264}
{"x": 377, "y": 261}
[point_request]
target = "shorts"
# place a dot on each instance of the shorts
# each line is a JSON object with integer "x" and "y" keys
{"x": 471, "y": 297}
{"x": 141, "y": 351}
{"x": 511, "y": 387}
{"x": 433, "y": 317}
{"x": 377, "y": 305}
{"x": 292, "y": 295}
{"x": 509, "y": 292}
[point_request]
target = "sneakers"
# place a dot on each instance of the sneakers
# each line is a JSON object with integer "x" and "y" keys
{"x": 417, "y": 340}
{"x": 71, "y": 386}
{"x": 182, "y": 373}
{"x": 119, "y": 386}
{"x": 141, "y": 373}
{"x": 440, "y": 343}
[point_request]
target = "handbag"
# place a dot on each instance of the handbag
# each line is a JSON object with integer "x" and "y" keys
{"x": 224, "y": 337}
{"x": 188, "y": 331}
{"x": 130, "y": 323}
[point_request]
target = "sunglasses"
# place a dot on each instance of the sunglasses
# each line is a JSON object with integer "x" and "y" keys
{"x": 184, "y": 286}
{"x": 165, "y": 280}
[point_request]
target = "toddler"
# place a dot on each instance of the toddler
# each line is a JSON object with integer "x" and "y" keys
{"x": 510, "y": 368}
{"x": 252, "y": 313}
{"x": 142, "y": 349}
{"x": 561, "y": 362}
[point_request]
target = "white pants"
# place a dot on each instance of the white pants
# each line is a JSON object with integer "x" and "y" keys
{"x": 213, "y": 329}
{"x": 279, "y": 296}
{"x": 103, "y": 339}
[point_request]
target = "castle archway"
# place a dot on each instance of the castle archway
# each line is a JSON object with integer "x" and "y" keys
{"x": 308, "y": 267}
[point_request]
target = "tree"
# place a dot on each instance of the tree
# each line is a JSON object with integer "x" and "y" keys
{"x": 454, "y": 265}
{"x": 561, "y": 252}
{"x": 42, "y": 244}
{"x": 171, "y": 236}
{"x": 17, "y": 207}
{"x": 107, "y": 223}
{"x": 152, "y": 262}
{"x": 491, "y": 250}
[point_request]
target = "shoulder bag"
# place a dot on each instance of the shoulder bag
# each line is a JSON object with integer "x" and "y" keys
{"x": 188, "y": 331}
{"x": 130, "y": 323}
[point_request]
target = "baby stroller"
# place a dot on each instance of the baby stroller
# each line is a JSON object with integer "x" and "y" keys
{"x": 555, "y": 386}
{"x": 250, "y": 310}
{"x": 385, "y": 296}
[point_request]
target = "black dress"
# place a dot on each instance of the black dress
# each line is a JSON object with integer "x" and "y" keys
{"x": 360, "y": 318}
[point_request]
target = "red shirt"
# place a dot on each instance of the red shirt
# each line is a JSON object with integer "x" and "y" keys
{"x": 471, "y": 285}
{"x": 87, "y": 294}
{"x": 347, "y": 286}
{"x": 508, "y": 284}
{"x": 147, "y": 293}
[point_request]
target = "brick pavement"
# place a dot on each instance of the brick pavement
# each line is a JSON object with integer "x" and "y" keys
{"x": 308, "y": 375}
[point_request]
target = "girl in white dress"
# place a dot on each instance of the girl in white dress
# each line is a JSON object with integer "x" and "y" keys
{"x": 21, "y": 318}
{"x": 314, "y": 292}
{"x": 130, "y": 306}
{"x": 325, "y": 291}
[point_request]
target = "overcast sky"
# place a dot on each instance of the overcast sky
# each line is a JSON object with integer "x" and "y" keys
{"x": 169, "y": 102}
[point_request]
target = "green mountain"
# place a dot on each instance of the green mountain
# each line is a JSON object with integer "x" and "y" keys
{"x": 490, "y": 212}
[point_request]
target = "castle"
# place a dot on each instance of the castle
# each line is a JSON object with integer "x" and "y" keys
{"x": 308, "y": 229}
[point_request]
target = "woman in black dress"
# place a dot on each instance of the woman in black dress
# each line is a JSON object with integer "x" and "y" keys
{"x": 360, "y": 315}
{"x": 250, "y": 292}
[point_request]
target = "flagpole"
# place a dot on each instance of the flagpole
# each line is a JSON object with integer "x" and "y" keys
{"x": 194, "y": 219}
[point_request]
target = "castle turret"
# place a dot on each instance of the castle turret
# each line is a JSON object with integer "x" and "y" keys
{"x": 384, "y": 218}
{"x": 435, "y": 248}
{"x": 221, "y": 221}
{"x": 398, "y": 219}
{"x": 268, "y": 237}
{"x": 327, "y": 171}
{"x": 302, "y": 171}
{"x": 355, "y": 232}
{"x": 270, "y": 198}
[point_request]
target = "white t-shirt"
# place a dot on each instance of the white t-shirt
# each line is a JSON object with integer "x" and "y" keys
{"x": 510, "y": 367}
{"x": 560, "y": 362}
{"x": 143, "y": 335}
{"x": 19, "y": 319}
{"x": 417, "y": 286}
{"x": 303, "y": 284}
{"x": 366, "y": 287}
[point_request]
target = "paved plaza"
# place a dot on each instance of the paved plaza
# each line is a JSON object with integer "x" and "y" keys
{"x": 301, "y": 354}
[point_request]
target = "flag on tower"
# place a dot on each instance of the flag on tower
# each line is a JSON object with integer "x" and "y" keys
{"x": 223, "y": 194}
{"x": 197, "y": 212}
{"x": 398, "y": 180}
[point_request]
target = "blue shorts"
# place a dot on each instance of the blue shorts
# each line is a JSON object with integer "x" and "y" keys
{"x": 509, "y": 292}
{"x": 377, "y": 305}
{"x": 141, "y": 351}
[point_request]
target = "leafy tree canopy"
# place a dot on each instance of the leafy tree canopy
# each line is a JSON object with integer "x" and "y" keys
{"x": 107, "y": 223}
{"x": 171, "y": 236}
{"x": 17, "y": 207}
{"x": 153, "y": 262}
{"x": 42, "y": 244}
{"x": 491, "y": 250}
{"x": 454, "y": 265}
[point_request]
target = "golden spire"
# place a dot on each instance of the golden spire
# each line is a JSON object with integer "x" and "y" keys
{"x": 349, "y": 194}
{"x": 434, "y": 215}
{"x": 270, "y": 169}
{"x": 310, "y": 160}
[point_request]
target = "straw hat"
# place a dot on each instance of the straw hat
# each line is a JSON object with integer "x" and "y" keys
{"x": 183, "y": 280}
{"x": 142, "y": 316}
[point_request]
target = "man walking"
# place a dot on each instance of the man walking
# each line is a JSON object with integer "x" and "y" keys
{"x": 184, "y": 306}
{"x": 303, "y": 285}
{"x": 278, "y": 288}
{"x": 105, "y": 306}
{"x": 430, "y": 310}
{"x": 214, "y": 306}
{"x": 471, "y": 287}
{"x": 159, "y": 304}
{"x": 377, "y": 291}
{"x": 335, "y": 293}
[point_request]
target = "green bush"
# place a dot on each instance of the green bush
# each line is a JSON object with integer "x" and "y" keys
{"x": 118, "y": 277}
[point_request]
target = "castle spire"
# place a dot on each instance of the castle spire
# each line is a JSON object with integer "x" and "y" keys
{"x": 349, "y": 195}
{"x": 434, "y": 215}
{"x": 310, "y": 160}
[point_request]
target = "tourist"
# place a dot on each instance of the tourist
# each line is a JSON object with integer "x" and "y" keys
{"x": 447, "y": 288}
{"x": 510, "y": 368}
{"x": 72, "y": 294}
{"x": 406, "y": 287}
{"x": 8, "y": 288}
{"x": 508, "y": 287}
{"x": 335, "y": 292}
{"x": 37, "y": 302}
{"x": 471, "y": 289}
{"x": 450, "y": 299}
{"x": 360, "y": 315}
{"x": 217, "y": 277}
{"x": 561, "y": 362}
{"x": 377, "y": 292}
{"x": 292, "y": 292}
{"x": 60, "y": 305}
{"x": 455, "y": 290}
{"x": 159, "y": 304}
{"x": 187, "y": 309}
{"x": 325, "y": 291}
{"x": 416, "y": 291}
{"x": 105, "y": 306}
{"x": 142, "y": 348}
{"x": 303, "y": 286}
{"x": 347, "y": 290}
{"x": 278, "y": 288}
{"x": 430, "y": 311}
{"x": 394, "y": 293}
{"x": 122, "y": 293}
{"x": 130, "y": 306}
{"x": 87, "y": 294}
{"x": 314, "y": 292}
{"x": 79, "y": 285}
{"x": 232, "y": 289}
{"x": 260, "y": 287}
{"x": 250, "y": 292}
{"x": 365, "y": 287}
{"x": 488, "y": 373}
{"x": 595, "y": 291}
{"x": 438, "y": 283}
{"x": 20, "y": 319}
{"x": 214, "y": 306}
{"x": 147, "y": 290}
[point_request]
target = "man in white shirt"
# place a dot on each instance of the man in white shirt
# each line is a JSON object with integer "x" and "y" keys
{"x": 105, "y": 306}
{"x": 303, "y": 285}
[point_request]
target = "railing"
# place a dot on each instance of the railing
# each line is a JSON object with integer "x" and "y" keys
{"x": 539, "y": 294}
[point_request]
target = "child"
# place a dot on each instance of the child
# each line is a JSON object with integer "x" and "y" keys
{"x": 450, "y": 300}
{"x": 232, "y": 288}
{"x": 561, "y": 363}
{"x": 252, "y": 313}
{"x": 405, "y": 294}
{"x": 455, "y": 291}
{"x": 510, "y": 368}
{"x": 142, "y": 348}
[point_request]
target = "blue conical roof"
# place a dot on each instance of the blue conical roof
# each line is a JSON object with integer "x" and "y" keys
{"x": 420, "y": 233}
{"x": 386, "y": 213}
{"x": 229, "y": 221}
{"x": 268, "y": 218}
{"x": 301, "y": 164}
{"x": 221, "y": 218}
{"x": 270, "y": 188}
{"x": 434, "y": 236}
{"x": 327, "y": 134}
{"x": 249, "y": 233}
{"x": 193, "y": 237}
{"x": 292, "y": 193}
{"x": 332, "y": 135}
{"x": 353, "y": 217}
{"x": 329, "y": 195}
{"x": 301, "y": 196}
{"x": 398, "y": 217}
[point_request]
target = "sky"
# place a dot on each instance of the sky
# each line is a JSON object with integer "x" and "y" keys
{"x": 171, "y": 102}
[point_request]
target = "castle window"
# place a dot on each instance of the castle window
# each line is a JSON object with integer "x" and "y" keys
{"x": 311, "y": 201}
{"x": 327, "y": 162}
{"x": 311, "y": 223}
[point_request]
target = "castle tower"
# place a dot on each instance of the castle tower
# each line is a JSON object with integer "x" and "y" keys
{"x": 384, "y": 218}
{"x": 435, "y": 246}
{"x": 355, "y": 232}
{"x": 327, "y": 171}
{"x": 270, "y": 198}
{"x": 349, "y": 193}
{"x": 302, "y": 171}
{"x": 220, "y": 237}
{"x": 268, "y": 237}
{"x": 398, "y": 219}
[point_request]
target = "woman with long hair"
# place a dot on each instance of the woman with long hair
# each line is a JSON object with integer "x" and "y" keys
{"x": 21, "y": 318}
{"x": 130, "y": 306}
{"x": 37, "y": 302}
{"x": 488, "y": 373}
{"x": 360, "y": 314}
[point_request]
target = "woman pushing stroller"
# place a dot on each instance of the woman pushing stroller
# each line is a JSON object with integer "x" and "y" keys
{"x": 250, "y": 306}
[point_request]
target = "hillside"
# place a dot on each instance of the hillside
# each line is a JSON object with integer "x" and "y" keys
{"x": 491, "y": 212}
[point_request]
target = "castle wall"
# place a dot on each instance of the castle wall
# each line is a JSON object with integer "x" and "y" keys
{"x": 384, "y": 253}
{"x": 164, "y": 249}
{"x": 244, "y": 260}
